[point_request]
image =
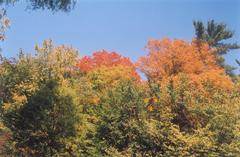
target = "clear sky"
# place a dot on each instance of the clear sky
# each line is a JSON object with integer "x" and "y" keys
{"x": 123, "y": 26}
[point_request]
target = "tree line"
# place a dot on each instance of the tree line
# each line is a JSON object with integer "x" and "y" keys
{"x": 55, "y": 103}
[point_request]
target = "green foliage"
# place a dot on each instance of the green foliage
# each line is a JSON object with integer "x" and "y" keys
{"x": 53, "y": 5}
{"x": 38, "y": 89}
{"x": 121, "y": 121}
{"x": 48, "y": 123}
{"x": 214, "y": 34}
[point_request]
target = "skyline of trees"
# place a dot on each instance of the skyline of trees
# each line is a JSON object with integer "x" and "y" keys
{"x": 55, "y": 103}
{"x": 178, "y": 100}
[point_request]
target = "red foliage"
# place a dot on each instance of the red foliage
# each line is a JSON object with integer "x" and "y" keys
{"x": 107, "y": 59}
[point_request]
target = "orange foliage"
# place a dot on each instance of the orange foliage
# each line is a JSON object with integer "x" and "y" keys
{"x": 169, "y": 59}
{"x": 107, "y": 59}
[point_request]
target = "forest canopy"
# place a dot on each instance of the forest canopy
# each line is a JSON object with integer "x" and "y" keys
{"x": 57, "y": 103}
{"x": 178, "y": 100}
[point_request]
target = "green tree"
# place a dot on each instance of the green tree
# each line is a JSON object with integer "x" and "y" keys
{"x": 120, "y": 122}
{"x": 21, "y": 77}
{"x": 45, "y": 124}
{"x": 26, "y": 85}
{"x": 53, "y": 5}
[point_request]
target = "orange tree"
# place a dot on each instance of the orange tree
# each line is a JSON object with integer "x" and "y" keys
{"x": 171, "y": 60}
{"x": 185, "y": 75}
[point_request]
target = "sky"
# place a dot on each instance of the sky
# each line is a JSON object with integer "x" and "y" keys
{"x": 122, "y": 26}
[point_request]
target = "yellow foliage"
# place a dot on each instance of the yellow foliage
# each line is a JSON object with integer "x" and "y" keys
{"x": 108, "y": 77}
{"x": 150, "y": 108}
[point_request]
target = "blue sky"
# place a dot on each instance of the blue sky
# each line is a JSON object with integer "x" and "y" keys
{"x": 123, "y": 26}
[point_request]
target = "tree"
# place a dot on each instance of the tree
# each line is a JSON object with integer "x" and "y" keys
{"x": 102, "y": 72}
{"x": 4, "y": 24}
{"x": 107, "y": 59}
{"x": 168, "y": 60}
{"x": 215, "y": 34}
{"x": 185, "y": 77}
{"x": 41, "y": 82}
{"x": 21, "y": 77}
{"x": 120, "y": 122}
{"x": 53, "y": 5}
{"x": 45, "y": 124}
{"x": 56, "y": 62}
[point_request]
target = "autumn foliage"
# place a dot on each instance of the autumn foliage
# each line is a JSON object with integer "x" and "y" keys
{"x": 168, "y": 59}
{"x": 107, "y": 59}
{"x": 59, "y": 104}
